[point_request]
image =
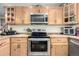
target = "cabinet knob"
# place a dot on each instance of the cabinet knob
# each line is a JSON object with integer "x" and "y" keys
{"x": 18, "y": 46}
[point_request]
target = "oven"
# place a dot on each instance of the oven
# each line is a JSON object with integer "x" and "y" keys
{"x": 39, "y": 46}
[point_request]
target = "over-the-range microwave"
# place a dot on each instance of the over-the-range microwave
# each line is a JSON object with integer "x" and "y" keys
{"x": 39, "y": 18}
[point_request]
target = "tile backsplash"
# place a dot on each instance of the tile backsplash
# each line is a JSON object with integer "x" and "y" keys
{"x": 45, "y": 28}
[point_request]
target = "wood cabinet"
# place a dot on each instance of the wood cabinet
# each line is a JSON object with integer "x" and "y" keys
{"x": 4, "y": 47}
{"x": 10, "y": 15}
{"x": 22, "y": 15}
{"x": 55, "y": 15}
{"x": 51, "y": 16}
{"x": 59, "y": 15}
{"x": 18, "y": 46}
{"x": 44, "y": 9}
{"x": 35, "y": 9}
{"x": 39, "y": 9}
{"x": 19, "y": 15}
{"x": 26, "y": 11}
{"x": 70, "y": 13}
{"x": 77, "y": 13}
{"x": 59, "y": 46}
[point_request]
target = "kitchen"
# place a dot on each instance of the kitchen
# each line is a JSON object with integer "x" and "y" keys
{"x": 40, "y": 30}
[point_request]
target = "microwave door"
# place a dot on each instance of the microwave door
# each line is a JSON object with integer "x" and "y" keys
{"x": 72, "y": 31}
{"x": 66, "y": 31}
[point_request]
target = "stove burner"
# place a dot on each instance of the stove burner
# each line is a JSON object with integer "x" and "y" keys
{"x": 39, "y": 34}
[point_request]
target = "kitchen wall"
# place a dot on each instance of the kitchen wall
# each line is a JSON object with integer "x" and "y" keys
{"x": 46, "y": 28}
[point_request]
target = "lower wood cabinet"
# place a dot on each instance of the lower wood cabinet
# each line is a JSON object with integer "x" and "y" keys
{"x": 4, "y": 47}
{"x": 18, "y": 46}
{"x": 59, "y": 48}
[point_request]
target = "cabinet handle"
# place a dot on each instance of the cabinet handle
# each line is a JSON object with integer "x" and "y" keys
{"x": 51, "y": 46}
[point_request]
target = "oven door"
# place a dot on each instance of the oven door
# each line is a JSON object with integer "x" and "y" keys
{"x": 39, "y": 46}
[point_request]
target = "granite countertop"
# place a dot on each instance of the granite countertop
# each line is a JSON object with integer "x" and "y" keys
{"x": 69, "y": 36}
{"x": 8, "y": 36}
{"x": 54, "y": 35}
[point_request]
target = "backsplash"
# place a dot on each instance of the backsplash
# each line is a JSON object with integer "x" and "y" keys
{"x": 45, "y": 28}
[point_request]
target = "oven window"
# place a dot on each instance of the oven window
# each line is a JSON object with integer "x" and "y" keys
{"x": 39, "y": 46}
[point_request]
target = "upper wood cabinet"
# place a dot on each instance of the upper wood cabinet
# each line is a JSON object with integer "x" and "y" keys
{"x": 70, "y": 13}
{"x": 51, "y": 16}
{"x": 35, "y": 9}
{"x": 26, "y": 15}
{"x": 19, "y": 17}
{"x": 39, "y": 9}
{"x": 77, "y": 13}
{"x": 44, "y": 9}
{"x": 22, "y": 15}
{"x": 55, "y": 15}
{"x": 10, "y": 15}
{"x": 59, "y": 15}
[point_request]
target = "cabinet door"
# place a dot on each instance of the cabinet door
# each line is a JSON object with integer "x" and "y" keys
{"x": 5, "y": 47}
{"x": 43, "y": 9}
{"x": 61, "y": 50}
{"x": 53, "y": 49}
{"x": 23, "y": 49}
{"x": 35, "y": 9}
{"x": 59, "y": 15}
{"x": 26, "y": 15}
{"x": 78, "y": 13}
{"x": 51, "y": 16}
{"x": 15, "y": 50}
{"x": 73, "y": 12}
{"x": 19, "y": 15}
{"x": 19, "y": 46}
{"x": 19, "y": 49}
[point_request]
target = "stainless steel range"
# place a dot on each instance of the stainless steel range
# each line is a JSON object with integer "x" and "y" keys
{"x": 39, "y": 44}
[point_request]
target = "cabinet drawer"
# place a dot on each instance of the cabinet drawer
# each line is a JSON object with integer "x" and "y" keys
{"x": 19, "y": 43}
{"x": 61, "y": 40}
{"x": 19, "y": 39}
{"x": 7, "y": 40}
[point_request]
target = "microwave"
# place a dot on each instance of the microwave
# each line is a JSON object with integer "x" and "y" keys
{"x": 69, "y": 30}
{"x": 39, "y": 18}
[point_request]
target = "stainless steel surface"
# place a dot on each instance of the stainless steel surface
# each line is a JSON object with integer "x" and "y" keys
{"x": 69, "y": 30}
{"x": 39, "y": 53}
{"x": 73, "y": 47}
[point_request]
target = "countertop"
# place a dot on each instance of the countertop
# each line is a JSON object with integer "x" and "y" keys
{"x": 53, "y": 35}
{"x": 8, "y": 36}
